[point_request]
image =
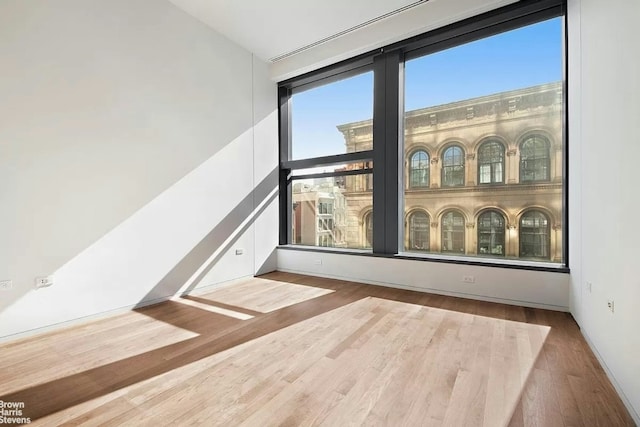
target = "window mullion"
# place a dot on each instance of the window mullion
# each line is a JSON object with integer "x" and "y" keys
{"x": 285, "y": 197}
{"x": 386, "y": 126}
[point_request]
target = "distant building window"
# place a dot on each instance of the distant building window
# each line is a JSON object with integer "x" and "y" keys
{"x": 534, "y": 235}
{"x": 419, "y": 170}
{"x": 491, "y": 228}
{"x": 453, "y": 232}
{"x": 453, "y": 167}
{"x": 325, "y": 224}
{"x": 325, "y": 240}
{"x": 418, "y": 232}
{"x": 534, "y": 159}
{"x": 368, "y": 230}
{"x": 325, "y": 208}
{"x": 491, "y": 163}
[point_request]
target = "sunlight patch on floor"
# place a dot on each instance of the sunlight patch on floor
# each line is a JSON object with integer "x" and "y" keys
{"x": 264, "y": 296}
{"x": 373, "y": 361}
{"x": 213, "y": 309}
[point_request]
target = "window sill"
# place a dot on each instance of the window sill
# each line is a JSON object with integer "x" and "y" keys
{"x": 441, "y": 258}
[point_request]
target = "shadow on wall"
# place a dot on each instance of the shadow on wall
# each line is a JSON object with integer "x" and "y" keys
{"x": 103, "y": 137}
{"x": 118, "y": 273}
{"x": 143, "y": 257}
{"x": 193, "y": 268}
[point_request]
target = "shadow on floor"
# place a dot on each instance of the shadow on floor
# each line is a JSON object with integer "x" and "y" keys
{"x": 218, "y": 333}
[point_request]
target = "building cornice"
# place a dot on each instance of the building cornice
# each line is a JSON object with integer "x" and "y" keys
{"x": 506, "y": 105}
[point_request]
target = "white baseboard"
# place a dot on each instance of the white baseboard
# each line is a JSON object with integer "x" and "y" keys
{"x": 431, "y": 290}
{"x": 120, "y": 310}
{"x": 612, "y": 378}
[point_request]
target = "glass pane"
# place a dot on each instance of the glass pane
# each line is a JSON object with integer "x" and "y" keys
{"x": 491, "y": 234}
{"x": 419, "y": 169}
{"x": 489, "y": 115}
{"x": 419, "y": 226}
{"x": 333, "y": 212}
{"x": 317, "y": 116}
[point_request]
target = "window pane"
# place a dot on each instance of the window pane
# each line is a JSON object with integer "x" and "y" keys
{"x": 419, "y": 169}
{"x": 316, "y": 115}
{"x": 418, "y": 232}
{"x": 534, "y": 235}
{"x": 453, "y": 226}
{"x": 489, "y": 114}
{"x": 490, "y": 161}
{"x": 534, "y": 159}
{"x": 453, "y": 167}
{"x": 333, "y": 212}
{"x": 491, "y": 234}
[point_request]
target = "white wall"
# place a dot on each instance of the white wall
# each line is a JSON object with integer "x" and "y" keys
{"x": 520, "y": 287}
{"x": 265, "y": 161}
{"x": 604, "y": 63}
{"x": 128, "y": 138}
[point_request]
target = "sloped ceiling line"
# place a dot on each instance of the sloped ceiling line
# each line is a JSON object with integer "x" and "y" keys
{"x": 347, "y": 31}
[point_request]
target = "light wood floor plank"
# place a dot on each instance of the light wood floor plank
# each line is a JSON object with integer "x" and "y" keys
{"x": 309, "y": 351}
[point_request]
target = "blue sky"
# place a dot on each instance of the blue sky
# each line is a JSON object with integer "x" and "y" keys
{"x": 520, "y": 58}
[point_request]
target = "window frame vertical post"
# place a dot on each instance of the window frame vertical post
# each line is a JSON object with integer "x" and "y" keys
{"x": 284, "y": 191}
{"x": 386, "y": 148}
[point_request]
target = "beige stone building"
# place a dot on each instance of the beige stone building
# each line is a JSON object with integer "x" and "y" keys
{"x": 319, "y": 217}
{"x": 482, "y": 176}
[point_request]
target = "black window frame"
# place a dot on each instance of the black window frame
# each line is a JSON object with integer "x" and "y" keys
{"x": 387, "y": 64}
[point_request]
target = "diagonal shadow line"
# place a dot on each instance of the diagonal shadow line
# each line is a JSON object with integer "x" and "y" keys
{"x": 219, "y": 304}
{"x": 56, "y": 395}
{"x": 226, "y": 247}
{"x": 525, "y": 383}
{"x": 184, "y": 270}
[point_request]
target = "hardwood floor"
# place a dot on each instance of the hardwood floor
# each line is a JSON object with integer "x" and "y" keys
{"x": 291, "y": 350}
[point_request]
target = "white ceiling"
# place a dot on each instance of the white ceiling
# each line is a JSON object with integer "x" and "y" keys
{"x": 273, "y": 28}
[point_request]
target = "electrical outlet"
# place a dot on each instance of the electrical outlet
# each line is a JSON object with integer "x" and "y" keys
{"x": 469, "y": 279}
{"x": 5, "y": 285}
{"x": 589, "y": 286}
{"x": 317, "y": 261}
{"x": 44, "y": 282}
{"x": 610, "y": 305}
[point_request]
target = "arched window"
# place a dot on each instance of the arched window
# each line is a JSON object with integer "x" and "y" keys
{"x": 418, "y": 232}
{"x": 368, "y": 230}
{"x": 534, "y": 159}
{"x": 453, "y": 232}
{"x": 453, "y": 167}
{"x": 534, "y": 235}
{"x": 491, "y": 228}
{"x": 491, "y": 163}
{"x": 419, "y": 170}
